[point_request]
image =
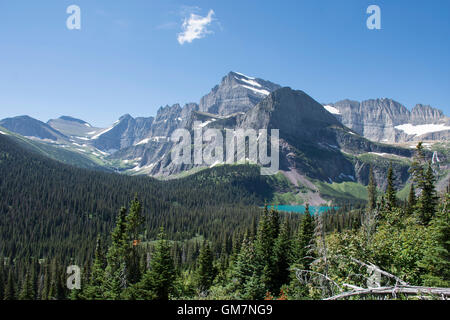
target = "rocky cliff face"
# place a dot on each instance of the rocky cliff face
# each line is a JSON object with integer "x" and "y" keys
{"x": 313, "y": 143}
{"x": 151, "y": 140}
{"x": 386, "y": 120}
{"x": 424, "y": 114}
{"x": 236, "y": 93}
{"x": 124, "y": 133}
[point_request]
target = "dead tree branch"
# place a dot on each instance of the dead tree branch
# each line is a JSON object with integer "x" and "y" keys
{"x": 421, "y": 292}
{"x": 374, "y": 267}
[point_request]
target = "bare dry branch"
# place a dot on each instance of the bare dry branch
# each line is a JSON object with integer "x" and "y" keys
{"x": 421, "y": 292}
{"x": 299, "y": 273}
{"x": 374, "y": 267}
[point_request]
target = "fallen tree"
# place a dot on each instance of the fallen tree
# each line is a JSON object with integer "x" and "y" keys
{"x": 420, "y": 292}
{"x": 400, "y": 287}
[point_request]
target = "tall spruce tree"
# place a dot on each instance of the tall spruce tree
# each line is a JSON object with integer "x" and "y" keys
{"x": 245, "y": 277}
{"x": 115, "y": 271}
{"x": 56, "y": 289}
{"x": 45, "y": 281}
{"x": 436, "y": 260}
{"x": 135, "y": 221}
{"x": 302, "y": 253}
{"x": 205, "y": 270}
{"x": 411, "y": 200}
{"x": 27, "y": 292}
{"x": 391, "y": 192}
{"x": 268, "y": 229}
{"x": 282, "y": 256}
{"x": 158, "y": 281}
{"x": 95, "y": 290}
{"x": 371, "y": 191}
{"x": 427, "y": 203}
{"x": 417, "y": 169}
{"x": 10, "y": 290}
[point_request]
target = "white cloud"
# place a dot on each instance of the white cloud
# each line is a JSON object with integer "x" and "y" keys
{"x": 195, "y": 27}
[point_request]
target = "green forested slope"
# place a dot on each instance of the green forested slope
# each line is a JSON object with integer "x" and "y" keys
{"x": 48, "y": 208}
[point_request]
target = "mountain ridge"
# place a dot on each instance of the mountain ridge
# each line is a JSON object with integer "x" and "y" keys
{"x": 325, "y": 142}
{"x": 386, "y": 120}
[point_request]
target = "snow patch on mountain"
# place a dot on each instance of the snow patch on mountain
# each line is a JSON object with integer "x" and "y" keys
{"x": 243, "y": 75}
{"x": 419, "y": 130}
{"x": 250, "y": 82}
{"x": 204, "y": 124}
{"x": 144, "y": 141}
{"x": 259, "y": 91}
{"x": 331, "y": 109}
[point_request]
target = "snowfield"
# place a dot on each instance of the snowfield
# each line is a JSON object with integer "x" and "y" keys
{"x": 332, "y": 110}
{"x": 259, "y": 91}
{"x": 144, "y": 141}
{"x": 419, "y": 130}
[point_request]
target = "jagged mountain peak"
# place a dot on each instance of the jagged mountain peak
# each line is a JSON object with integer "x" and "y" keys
{"x": 236, "y": 93}
{"x": 386, "y": 104}
{"x": 387, "y": 120}
{"x": 173, "y": 109}
{"x": 126, "y": 116}
{"x": 427, "y": 110}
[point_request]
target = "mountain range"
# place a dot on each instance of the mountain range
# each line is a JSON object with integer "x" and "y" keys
{"x": 386, "y": 120}
{"x": 320, "y": 144}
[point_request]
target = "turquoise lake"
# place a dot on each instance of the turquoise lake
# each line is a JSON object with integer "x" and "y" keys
{"x": 300, "y": 209}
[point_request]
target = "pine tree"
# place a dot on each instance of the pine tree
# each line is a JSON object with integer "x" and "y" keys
{"x": 115, "y": 271}
{"x": 372, "y": 191}
{"x": 94, "y": 290}
{"x": 245, "y": 279}
{"x": 436, "y": 260}
{"x": 205, "y": 271}
{"x": 417, "y": 166}
{"x": 34, "y": 278}
{"x": 411, "y": 200}
{"x": 46, "y": 282}
{"x": 305, "y": 236}
{"x": 282, "y": 256}
{"x": 391, "y": 198}
{"x": 223, "y": 264}
{"x": 428, "y": 199}
{"x": 56, "y": 289}
{"x": 10, "y": 290}
{"x": 158, "y": 281}
{"x": 303, "y": 253}
{"x": 274, "y": 224}
{"x": 268, "y": 230}
{"x": 27, "y": 292}
{"x": 135, "y": 222}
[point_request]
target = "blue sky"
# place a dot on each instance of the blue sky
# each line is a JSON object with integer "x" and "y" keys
{"x": 127, "y": 58}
